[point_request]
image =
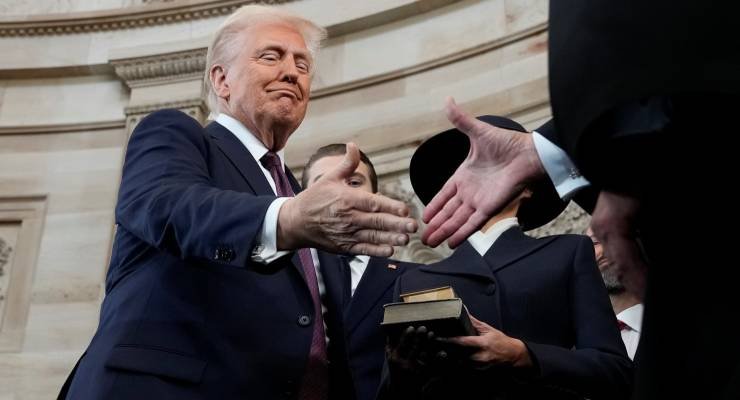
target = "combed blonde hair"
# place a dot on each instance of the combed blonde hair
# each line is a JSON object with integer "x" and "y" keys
{"x": 227, "y": 43}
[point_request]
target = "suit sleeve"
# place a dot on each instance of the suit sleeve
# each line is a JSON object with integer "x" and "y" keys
{"x": 597, "y": 366}
{"x": 167, "y": 197}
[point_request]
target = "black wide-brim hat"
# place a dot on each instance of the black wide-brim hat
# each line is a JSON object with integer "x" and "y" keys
{"x": 435, "y": 160}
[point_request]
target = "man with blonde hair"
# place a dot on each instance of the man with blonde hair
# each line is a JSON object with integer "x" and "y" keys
{"x": 212, "y": 289}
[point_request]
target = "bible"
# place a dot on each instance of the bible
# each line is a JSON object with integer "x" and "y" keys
{"x": 438, "y": 309}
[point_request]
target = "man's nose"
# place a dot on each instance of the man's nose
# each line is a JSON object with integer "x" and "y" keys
{"x": 289, "y": 70}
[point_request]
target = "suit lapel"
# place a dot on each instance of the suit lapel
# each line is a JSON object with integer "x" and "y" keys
{"x": 241, "y": 158}
{"x": 293, "y": 181}
{"x": 374, "y": 283}
{"x": 331, "y": 273}
{"x": 464, "y": 261}
{"x": 512, "y": 246}
{"x": 247, "y": 166}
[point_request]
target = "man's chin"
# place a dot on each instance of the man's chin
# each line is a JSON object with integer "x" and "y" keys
{"x": 286, "y": 115}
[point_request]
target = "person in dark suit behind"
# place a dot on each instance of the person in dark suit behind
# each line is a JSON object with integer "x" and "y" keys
{"x": 212, "y": 290}
{"x": 545, "y": 326}
{"x": 643, "y": 95}
{"x": 358, "y": 285}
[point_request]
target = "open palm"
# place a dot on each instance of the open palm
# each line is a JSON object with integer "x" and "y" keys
{"x": 498, "y": 167}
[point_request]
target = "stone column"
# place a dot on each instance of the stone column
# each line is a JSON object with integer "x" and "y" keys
{"x": 170, "y": 79}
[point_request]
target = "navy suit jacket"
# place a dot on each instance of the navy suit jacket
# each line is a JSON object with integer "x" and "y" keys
{"x": 363, "y": 339}
{"x": 187, "y": 314}
{"x": 546, "y": 292}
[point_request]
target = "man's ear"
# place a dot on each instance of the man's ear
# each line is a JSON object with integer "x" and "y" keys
{"x": 217, "y": 74}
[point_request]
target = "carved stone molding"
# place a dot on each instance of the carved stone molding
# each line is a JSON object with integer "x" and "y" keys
{"x": 133, "y": 17}
{"x": 60, "y": 128}
{"x": 195, "y": 108}
{"x": 171, "y": 67}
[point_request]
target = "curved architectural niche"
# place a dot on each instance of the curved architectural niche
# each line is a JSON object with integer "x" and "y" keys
{"x": 155, "y": 13}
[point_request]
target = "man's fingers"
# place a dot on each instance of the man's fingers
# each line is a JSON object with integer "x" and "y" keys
{"x": 383, "y": 222}
{"x": 348, "y": 165}
{"x": 376, "y": 203}
{"x": 449, "y": 209}
{"x": 405, "y": 342}
{"x": 480, "y": 357}
{"x": 466, "y": 341}
{"x": 450, "y": 226}
{"x": 439, "y": 201}
{"x": 373, "y": 236}
{"x": 470, "y": 225}
{"x": 419, "y": 337}
{"x": 371, "y": 249}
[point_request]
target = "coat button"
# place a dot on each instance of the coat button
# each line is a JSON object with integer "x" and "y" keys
{"x": 304, "y": 320}
{"x": 223, "y": 253}
{"x": 491, "y": 289}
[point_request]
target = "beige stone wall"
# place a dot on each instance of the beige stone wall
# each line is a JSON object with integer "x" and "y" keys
{"x": 69, "y": 178}
{"x": 76, "y": 76}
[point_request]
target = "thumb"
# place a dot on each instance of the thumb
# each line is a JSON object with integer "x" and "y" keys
{"x": 480, "y": 326}
{"x": 463, "y": 121}
{"x": 348, "y": 165}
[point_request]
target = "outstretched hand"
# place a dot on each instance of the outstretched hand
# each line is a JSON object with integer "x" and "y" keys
{"x": 500, "y": 164}
{"x": 332, "y": 216}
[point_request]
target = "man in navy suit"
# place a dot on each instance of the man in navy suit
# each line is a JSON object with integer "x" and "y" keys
{"x": 212, "y": 290}
{"x": 359, "y": 285}
{"x": 545, "y": 326}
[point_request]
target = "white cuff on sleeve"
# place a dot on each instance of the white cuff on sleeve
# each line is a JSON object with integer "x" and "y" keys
{"x": 266, "y": 250}
{"x": 560, "y": 168}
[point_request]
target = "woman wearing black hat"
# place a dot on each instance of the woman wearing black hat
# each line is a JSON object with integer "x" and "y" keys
{"x": 545, "y": 326}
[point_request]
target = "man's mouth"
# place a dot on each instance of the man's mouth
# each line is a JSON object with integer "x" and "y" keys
{"x": 286, "y": 93}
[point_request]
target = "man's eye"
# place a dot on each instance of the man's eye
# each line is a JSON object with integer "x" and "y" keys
{"x": 355, "y": 183}
{"x": 269, "y": 57}
{"x": 303, "y": 67}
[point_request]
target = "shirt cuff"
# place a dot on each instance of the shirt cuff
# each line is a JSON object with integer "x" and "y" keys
{"x": 266, "y": 250}
{"x": 559, "y": 167}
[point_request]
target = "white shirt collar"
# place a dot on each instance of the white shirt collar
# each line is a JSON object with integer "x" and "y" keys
{"x": 632, "y": 317}
{"x": 482, "y": 242}
{"x": 255, "y": 147}
{"x": 363, "y": 258}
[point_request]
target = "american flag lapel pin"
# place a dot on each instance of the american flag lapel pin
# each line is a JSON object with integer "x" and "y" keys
{"x": 392, "y": 266}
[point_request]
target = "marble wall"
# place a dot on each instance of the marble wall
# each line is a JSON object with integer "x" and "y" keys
{"x": 76, "y": 76}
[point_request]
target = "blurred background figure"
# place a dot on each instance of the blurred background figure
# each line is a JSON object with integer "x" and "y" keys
{"x": 626, "y": 305}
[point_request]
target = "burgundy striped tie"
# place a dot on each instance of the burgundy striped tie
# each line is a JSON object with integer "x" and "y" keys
{"x": 316, "y": 378}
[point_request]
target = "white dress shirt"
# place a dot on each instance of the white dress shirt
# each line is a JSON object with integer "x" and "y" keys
{"x": 357, "y": 266}
{"x": 266, "y": 250}
{"x": 482, "y": 241}
{"x": 632, "y": 317}
{"x": 559, "y": 167}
